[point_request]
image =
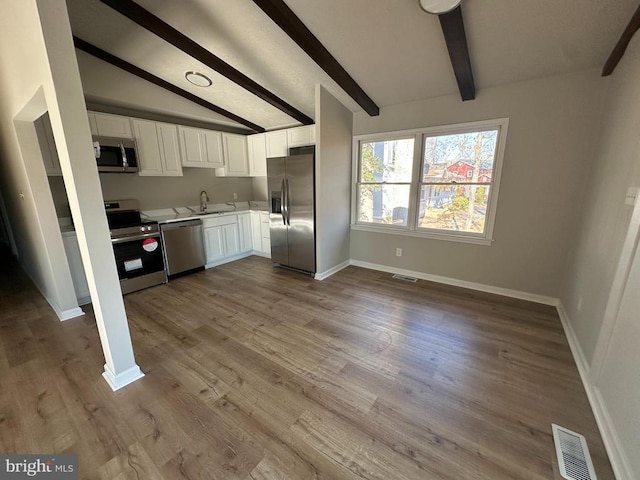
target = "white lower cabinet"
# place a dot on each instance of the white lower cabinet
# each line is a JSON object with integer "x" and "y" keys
{"x": 230, "y": 237}
{"x": 244, "y": 226}
{"x": 256, "y": 235}
{"x": 226, "y": 238}
{"x": 265, "y": 232}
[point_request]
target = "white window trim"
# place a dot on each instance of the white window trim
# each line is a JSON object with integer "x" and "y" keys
{"x": 411, "y": 229}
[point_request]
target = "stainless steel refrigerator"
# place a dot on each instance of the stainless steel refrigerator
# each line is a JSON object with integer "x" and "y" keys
{"x": 292, "y": 202}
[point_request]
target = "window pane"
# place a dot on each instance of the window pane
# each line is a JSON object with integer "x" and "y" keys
{"x": 460, "y": 158}
{"x": 389, "y": 161}
{"x": 387, "y": 204}
{"x": 449, "y": 207}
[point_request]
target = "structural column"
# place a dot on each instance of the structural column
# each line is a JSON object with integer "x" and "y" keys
{"x": 70, "y": 124}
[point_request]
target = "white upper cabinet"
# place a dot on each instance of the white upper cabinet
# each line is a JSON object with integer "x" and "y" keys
{"x": 236, "y": 161}
{"x": 200, "y": 148}
{"x": 108, "y": 125}
{"x": 168, "y": 137}
{"x": 277, "y": 144}
{"x": 214, "y": 157}
{"x": 158, "y": 150}
{"x": 301, "y": 136}
{"x": 257, "y": 148}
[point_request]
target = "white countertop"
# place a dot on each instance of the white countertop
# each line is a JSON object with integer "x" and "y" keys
{"x": 168, "y": 215}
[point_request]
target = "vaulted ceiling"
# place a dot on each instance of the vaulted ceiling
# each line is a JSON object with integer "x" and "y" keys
{"x": 391, "y": 48}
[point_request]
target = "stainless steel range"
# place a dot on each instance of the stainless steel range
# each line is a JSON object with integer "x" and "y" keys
{"x": 137, "y": 246}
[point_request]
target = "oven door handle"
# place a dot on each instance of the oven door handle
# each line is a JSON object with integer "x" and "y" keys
{"x": 135, "y": 237}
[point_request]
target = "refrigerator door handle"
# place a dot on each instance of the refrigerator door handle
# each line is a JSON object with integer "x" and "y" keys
{"x": 283, "y": 205}
{"x": 288, "y": 204}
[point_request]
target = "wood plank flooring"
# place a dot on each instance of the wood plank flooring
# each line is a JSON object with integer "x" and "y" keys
{"x": 260, "y": 373}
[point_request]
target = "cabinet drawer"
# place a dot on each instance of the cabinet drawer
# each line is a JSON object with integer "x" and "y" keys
{"x": 217, "y": 221}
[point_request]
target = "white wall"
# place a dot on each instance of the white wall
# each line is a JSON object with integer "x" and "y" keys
{"x": 547, "y": 159}
{"x": 166, "y": 192}
{"x": 604, "y": 273}
{"x": 23, "y": 181}
{"x": 333, "y": 180}
{"x": 605, "y": 216}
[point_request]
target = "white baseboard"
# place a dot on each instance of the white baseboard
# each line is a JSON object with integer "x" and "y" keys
{"x": 69, "y": 314}
{"x": 506, "y": 292}
{"x": 116, "y": 382}
{"x": 612, "y": 444}
{"x": 61, "y": 314}
{"x": 84, "y": 300}
{"x": 327, "y": 273}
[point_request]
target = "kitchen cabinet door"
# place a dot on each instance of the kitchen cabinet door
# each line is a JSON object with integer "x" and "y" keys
{"x": 236, "y": 160}
{"x": 231, "y": 239}
{"x": 212, "y": 153}
{"x": 214, "y": 244}
{"x": 108, "y": 125}
{"x": 192, "y": 147}
{"x": 149, "y": 151}
{"x": 277, "y": 144}
{"x": 244, "y": 224}
{"x": 256, "y": 235}
{"x": 158, "y": 151}
{"x": 300, "y": 136}
{"x": 257, "y": 150}
{"x": 168, "y": 139}
{"x": 265, "y": 230}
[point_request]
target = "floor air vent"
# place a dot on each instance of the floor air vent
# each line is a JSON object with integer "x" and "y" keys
{"x": 574, "y": 460}
{"x": 405, "y": 278}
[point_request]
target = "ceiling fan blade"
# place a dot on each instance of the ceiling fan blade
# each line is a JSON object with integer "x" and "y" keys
{"x": 454, "y": 35}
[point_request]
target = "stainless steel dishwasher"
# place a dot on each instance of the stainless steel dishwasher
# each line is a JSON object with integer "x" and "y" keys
{"x": 183, "y": 246}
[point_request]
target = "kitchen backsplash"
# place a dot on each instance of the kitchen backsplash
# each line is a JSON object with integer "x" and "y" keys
{"x": 167, "y": 192}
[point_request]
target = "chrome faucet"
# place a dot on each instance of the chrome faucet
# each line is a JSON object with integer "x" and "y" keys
{"x": 204, "y": 198}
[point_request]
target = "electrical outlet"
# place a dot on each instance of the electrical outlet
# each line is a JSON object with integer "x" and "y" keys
{"x": 398, "y": 252}
{"x": 235, "y": 196}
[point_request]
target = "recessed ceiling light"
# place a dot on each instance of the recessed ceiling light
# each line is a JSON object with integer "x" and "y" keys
{"x": 438, "y": 7}
{"x": 198, "y": 79}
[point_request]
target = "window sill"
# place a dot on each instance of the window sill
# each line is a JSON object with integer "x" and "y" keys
{"x": 413, "y": 233}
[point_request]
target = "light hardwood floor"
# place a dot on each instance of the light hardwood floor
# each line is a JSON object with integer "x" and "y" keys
{"x": 260, "y": 373}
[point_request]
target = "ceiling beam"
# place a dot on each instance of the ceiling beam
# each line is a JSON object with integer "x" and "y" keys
{"x": 128, "y": 67}
{"x": 623, "y": 43}
{"x": 454, "y": 36}
{"x": 284, "y": 17}
{"x": 146, "y": 19}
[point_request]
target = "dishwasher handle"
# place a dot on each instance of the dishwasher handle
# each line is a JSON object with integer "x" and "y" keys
{"x": 181, "y": 224}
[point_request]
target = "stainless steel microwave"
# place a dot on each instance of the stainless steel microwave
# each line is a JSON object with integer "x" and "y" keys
{"x": 115, "y": 155}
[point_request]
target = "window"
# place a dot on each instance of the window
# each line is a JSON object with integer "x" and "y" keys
{"x": 439, "y": 182}
{"x": 384, "y": 185}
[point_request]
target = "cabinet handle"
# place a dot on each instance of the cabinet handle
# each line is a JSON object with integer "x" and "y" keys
{"x": 283, "y": 203}
{"x": 125, "y": 163}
